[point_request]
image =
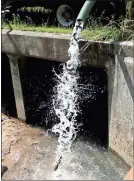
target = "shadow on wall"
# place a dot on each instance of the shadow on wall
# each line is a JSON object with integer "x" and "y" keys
{"x": 7, "y": 94}
{"x": 38, "y": 82}
{"x": 128, "y": 79}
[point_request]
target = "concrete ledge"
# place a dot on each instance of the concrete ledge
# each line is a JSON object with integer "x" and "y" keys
{"x": 38, "y": 45}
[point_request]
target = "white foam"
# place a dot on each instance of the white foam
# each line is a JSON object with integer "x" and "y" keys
{"x": 65, "y": 102}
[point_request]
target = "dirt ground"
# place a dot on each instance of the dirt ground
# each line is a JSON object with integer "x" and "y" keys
{"x": 19, "y": 143}
{"x": 29, "y": 154}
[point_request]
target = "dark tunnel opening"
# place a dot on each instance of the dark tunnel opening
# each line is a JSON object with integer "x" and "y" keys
{"x": 38, "y": 81}
{"x": 7, "y": 94}
{"x": 94, "y": 104}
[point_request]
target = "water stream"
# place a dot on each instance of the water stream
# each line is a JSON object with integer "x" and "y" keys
{"x": 66, "y": 103}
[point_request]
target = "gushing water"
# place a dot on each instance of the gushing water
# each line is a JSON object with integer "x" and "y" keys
{"x": 66, "y": 100}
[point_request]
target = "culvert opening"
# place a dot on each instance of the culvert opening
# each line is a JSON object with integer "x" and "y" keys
{"x": 38, "y": 82}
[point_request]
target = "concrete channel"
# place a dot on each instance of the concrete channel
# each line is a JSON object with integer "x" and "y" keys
{"x": 116, "y": 59}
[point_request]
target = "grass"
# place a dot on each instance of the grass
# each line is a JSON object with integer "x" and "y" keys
{"x": 25, "y": 27}
{"x": 102, "y": 33}
{"x": 95, "y": 32}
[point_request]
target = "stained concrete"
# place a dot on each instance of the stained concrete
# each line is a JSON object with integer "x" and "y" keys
{"x": 121, "y": 125}
{"x": 14, "y": 67}
{"x": 36, "y": 45}
{"x": 29, "y": 153}
{"x": 117, "y": 59}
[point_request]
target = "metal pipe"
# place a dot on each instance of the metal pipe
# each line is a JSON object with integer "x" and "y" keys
{"x": 85, "y": 10}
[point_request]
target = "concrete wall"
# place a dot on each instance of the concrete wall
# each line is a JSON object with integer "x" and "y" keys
{"x": 121, "y": 107}
{"x": 116, "y": 58}
{"x": 38, "y": 45}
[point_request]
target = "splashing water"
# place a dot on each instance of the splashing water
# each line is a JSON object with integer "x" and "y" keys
{"x": 65, "y": 103}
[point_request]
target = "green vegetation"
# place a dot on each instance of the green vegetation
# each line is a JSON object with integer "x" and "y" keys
{"x": 25, "y": 27}
{"x": 102, "y": 33}
{"x": 124, "y": 30}
{"x": 97, "y": 32}
{"x": 34, "y": 9}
